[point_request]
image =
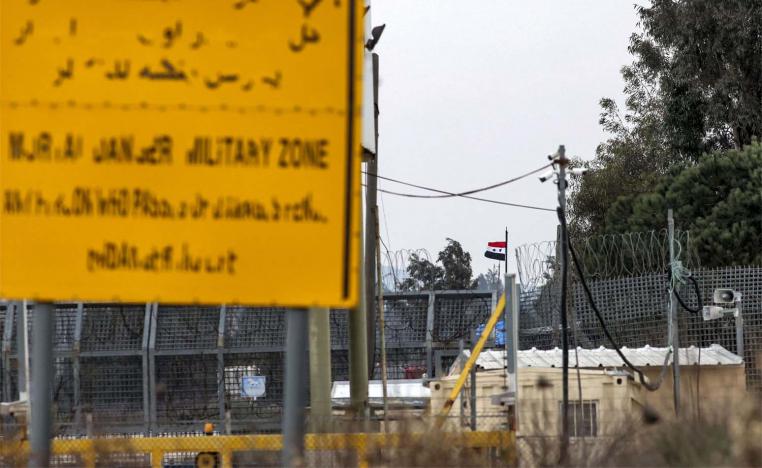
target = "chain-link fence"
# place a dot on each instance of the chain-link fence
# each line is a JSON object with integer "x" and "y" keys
{"x": 156, "y": 369}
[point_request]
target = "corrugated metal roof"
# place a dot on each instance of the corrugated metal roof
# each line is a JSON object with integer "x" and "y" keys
{"x": 714, "y": 355}
{"x": 412, "y": 388}
{"x": 401, "y": 393}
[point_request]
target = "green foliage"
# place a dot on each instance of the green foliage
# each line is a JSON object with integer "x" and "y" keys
{"x": 457, "y": 266}
{"x": 491, "y": 281}
{"x": 455, "y": 272}
{"x": 422, "y": 275}
{"x": 719, "y": 200}
{"x": 694, "y": 88}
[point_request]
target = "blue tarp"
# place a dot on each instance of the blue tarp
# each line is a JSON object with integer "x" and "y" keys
{"x": 499, "y": 332}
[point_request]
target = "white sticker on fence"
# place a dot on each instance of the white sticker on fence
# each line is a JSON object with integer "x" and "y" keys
{"x": 253, "y": 386}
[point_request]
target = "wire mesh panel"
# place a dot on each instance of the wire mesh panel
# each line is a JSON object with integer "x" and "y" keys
{"x": 65, "y": 404}
{"x": 634, "y": 309}
{"x": 183, "y": 328}
{"x": 186, "y": 390}
{"x": 3, "y": 311}
{"x": 64, "y": 400}
{"x": 339, "y": 364}
{"x": 405, "y": 363}
{"x": 456, "y": 316}
{"x": 339, "y": 328}
{"x": 405, "y": 320}
{"x": 539, "y": 316}
{"x": 64, "y": 333}
{"x": 694, "y": 330}
{"x": 12, "y": 374}
{"x": 254, "y": 413}
{"x": 4, "y": 378}
{"x": 247, "y": 327}
{"x": 112, "y": 327}
{"x": 112, "y": 392}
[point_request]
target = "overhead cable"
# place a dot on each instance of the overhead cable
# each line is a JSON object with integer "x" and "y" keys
{"x": 446, "y": 194}
{"x": 487, "y": 200}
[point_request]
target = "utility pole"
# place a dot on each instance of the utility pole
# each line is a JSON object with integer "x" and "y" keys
{"x": 358, "y": 356}
{"x": 562, "y": 163}
{"x": 40, "y": 431}
{"x": 673, "y": 322}
{"x": 381, "y": 323}
{"x": 371, "y": 204}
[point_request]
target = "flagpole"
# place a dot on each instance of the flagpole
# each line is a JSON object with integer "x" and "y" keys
{"x": 506, "y": 250}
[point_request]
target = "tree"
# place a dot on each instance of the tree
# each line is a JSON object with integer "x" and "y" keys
{"x": 457, "y": 266}
{"x": 455, "y": 272}
{"x": 708, "y": 56}
{"x": 491, "y": 281}
{"x": 719, "y": 200}
{"x": 694, "y": 87}
{"x": 422, "y": 275}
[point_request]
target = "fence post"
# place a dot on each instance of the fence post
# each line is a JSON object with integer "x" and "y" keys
{"x": 146, "y": 369}
{"x": 295, "y": 386}
{"x": 430, "y": 335}
{"x": 75, "y": 364}
{"x": 221, "y": 366}
{"x": 512, "y": 342}
{"x": 320, "y": 368}
{"x": 739, "y": 330}
{"x": 10, "y": 309}
{"x": 41, "y": 427}
{"x": 673, "y": 317}
{"x": 152, "y": 416}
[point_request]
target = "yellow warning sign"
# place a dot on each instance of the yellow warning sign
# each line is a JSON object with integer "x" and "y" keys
{"x": 184, "y": 151}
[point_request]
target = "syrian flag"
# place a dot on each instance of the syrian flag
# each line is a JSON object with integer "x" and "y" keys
{"x": 496, "y": 250}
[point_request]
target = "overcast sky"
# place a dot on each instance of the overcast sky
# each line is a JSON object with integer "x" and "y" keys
{"x": 472, "y": 93}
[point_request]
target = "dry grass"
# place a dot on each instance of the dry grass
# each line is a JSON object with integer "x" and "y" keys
{"x": 729, "y": 436}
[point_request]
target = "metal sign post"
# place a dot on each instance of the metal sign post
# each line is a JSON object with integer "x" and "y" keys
{"x": 295, "y": 386}
{"x": 40, "y": 430}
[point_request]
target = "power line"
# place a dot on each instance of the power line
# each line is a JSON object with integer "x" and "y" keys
{"x": 487, "y": 200}
{"x": 386, "y": 223}
{"x": 446, "y": 194}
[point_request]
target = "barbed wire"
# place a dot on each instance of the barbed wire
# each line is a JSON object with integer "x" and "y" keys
{"x": 536, "y": 264}
{"x": 396, "y": 263}
{"x": 607, "y": 256}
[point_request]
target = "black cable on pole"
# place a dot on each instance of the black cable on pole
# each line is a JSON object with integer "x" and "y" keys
{"x": 564, "y": 336}
{"x": 458, "y": 194}
{"x": 487, "y": 200}
{"x": 649, "y": 386}
{"x": 697, "y": 290}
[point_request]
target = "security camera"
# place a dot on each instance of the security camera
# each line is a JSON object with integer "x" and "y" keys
{"x": 579, "y": 171}
{"x": 547, "y": 175}
{"x": 715, "y": 312}
{"x": 725, "y": 296}
{"x": 712, "y": 312}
